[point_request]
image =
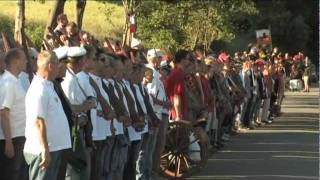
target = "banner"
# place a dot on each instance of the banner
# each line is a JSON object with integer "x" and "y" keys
{"x": 264, "y": 38}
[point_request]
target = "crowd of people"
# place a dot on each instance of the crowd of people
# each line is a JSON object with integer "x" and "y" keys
{"x": 96, "y": 110}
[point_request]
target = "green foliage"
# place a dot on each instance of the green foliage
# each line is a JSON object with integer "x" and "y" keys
{"x": 35, "y": 32}
{"x": 6, "y": 24}
{"x": 184, "y": 24}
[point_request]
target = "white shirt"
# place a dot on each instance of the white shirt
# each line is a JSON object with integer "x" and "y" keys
{"x": 156, "y": 89}
{"x": 83, "y": 79}
{"x": 24, "y": 80}
{"x": 42, "y": 101}
{"x": 102, "y": 125}
{"x": 117, "y": 125}
{"x": 71, "y": 88}
{"x": 13, "y": 97}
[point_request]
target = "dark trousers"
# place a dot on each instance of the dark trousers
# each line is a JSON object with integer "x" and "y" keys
{"x": 130, "y": 167}
{"x": 51, "y": 173}
{"x": 97, "y": 160}
{"x": 247, "y": 115}
{"x": 15, "y": 168}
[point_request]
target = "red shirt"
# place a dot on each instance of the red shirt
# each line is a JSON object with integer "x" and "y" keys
{"x": 174, "y": 86}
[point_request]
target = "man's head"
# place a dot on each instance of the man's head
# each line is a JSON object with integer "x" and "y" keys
{"x": 61, "y": 54}
{"x": 128, "y": 65}
{"x": 183, "y": 59}
{"x": 154, "y": 57}
{"x": 48, "y": 64}
{"x": 246, "y": 66}
{"x": 62, "y": 20}
{"x": 2, "y": 64}
{"x": 148, "y": 76}
{"x": 119, "y": 69}
{"x": 89, "y": 58}
{"x": 76, "y": 58}
{"x": 72, "y": 29}
{"x": 16, "y": 58}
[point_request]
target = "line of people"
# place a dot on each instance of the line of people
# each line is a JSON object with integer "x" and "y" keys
{"x": 95, "y": 111}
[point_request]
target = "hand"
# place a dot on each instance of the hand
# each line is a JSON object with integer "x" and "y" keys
{"x": 89, "y": 104}
{"x": 45, "y": 160}
{"x": 111, "y": 115}
{"x": 9, "y": 149}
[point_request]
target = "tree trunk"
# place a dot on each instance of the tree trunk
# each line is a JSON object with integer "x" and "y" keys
{"x": 20, "y": 36}
{"x": 81, "y": 5}
{"x": 19, "y": 21}
{"x": 57, "y": 9}
{"x": 126, "y": 26}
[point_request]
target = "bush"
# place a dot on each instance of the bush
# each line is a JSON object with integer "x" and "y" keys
{"x": 35, "y": 31}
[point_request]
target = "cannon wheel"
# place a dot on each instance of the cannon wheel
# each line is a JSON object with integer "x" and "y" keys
{"x": 176, "y": 160}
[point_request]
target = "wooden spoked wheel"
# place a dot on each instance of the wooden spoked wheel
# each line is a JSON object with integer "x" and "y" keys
{"x": 185, "y": 152}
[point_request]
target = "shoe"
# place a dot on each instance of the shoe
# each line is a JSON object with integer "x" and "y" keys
{"x": 268, "y": 122}
{"x": 225, "y": 138}
{"x": 242, "y": 130}
{"x": 258, "y": 123}
{"x": 252, "y": 127}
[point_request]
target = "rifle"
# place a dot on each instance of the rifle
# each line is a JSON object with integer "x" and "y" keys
{"x": 6, "y": 45}
{"x": 137, "y": 122}
{"x": 106, "y": 108}
{"x": 154, "y": 120}
{"x": 109, "y": 45}
{"x": 117, "y": 103}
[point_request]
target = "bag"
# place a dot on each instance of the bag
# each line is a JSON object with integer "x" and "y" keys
{"x": 77, "y": 158}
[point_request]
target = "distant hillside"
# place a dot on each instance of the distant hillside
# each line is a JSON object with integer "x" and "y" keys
{"x": 95, "y": 18}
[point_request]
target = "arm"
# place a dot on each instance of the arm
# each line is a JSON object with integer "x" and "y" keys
{"x": 84, "y": 107}
{"x": 6, "y": 105}
{"x": 5, "y": 125}
{"x": 165, "y": 104}
{"x": 42, "y": 134}
{"x": 177, "y": 106}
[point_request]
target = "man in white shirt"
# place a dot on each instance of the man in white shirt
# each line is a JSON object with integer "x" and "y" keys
{"x": 12, "y": 112}
{"x": 47, "y": 132}
{"x": 161, "y": 104}
{"x": 77, "y": 97}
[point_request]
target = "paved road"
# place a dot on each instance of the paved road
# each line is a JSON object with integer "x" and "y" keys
{"x": 287, "y": 149}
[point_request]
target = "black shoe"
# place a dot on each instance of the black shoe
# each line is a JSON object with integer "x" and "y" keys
{"x": 252, "y": 128}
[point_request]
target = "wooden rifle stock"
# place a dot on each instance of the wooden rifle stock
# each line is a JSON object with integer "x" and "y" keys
{"x": 109, "y": 45}
{"x": 6, "y": 45}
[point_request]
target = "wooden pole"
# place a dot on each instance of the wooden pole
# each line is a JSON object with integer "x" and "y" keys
{"x": 80, "y": 7}
{"x": 20, "y": 37}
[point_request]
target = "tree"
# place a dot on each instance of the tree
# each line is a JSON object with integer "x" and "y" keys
{"x": 184, "y": 24}
{"x": 58, "y": 8}
{"x": 20, "y": 36}
{"x": 80, "y": 7}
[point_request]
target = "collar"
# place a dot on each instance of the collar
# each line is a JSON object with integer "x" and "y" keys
{"x": 43, "y": 81}
{"x": 9, "y": 75}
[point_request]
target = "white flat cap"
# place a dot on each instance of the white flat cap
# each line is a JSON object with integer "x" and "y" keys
{"x": 154, "y": 53}
{"x": 61, "y": 52}
{"x": 76, "y": 51}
